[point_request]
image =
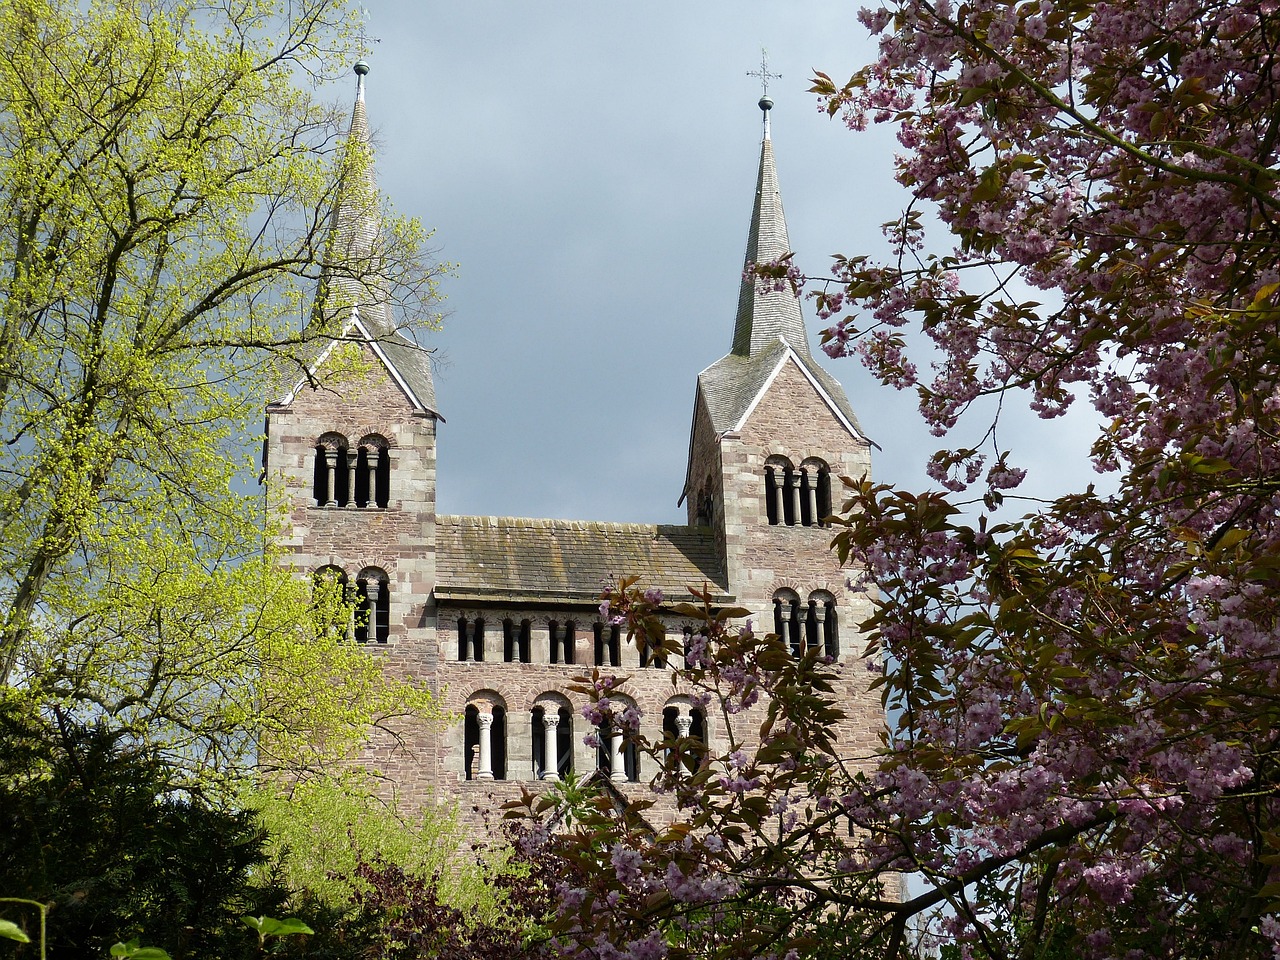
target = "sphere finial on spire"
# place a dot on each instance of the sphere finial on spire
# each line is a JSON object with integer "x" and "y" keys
{"x": 361, "y": 68}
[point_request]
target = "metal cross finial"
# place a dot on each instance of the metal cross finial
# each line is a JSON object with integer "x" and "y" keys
{"x": 763, "y": 73}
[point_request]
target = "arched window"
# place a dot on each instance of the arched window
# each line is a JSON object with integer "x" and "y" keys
{"x": 608, "y": 638}
{"x": 484, "y": 738}
{"x": 331, "y": 603}
{"x": 515, "y": 641}
{"x": 471, "y": 640}
{"x": 617, "y": 755}
{"x": 372, "y": 473}
{"x": 815, "y": 492}
{"x": 786, "y": 620}
{"x": 552, "y": 731}
{"x": 562, "y": 640}
{"x": 822, "y": 625}
{"x": 685, "y": 726}
{"x": 331, "y": 480}
{"x": 777, "y": 497}
{"x": 373, "y": 607}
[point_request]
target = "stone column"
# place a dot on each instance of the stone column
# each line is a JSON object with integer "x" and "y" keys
{"x": 684, "y": 723}
{"x": 352, "y": 456}
{"x": 550, "y": 747}
{"x": 371, "y": 463}
{"x": 331, "y": 468}
{"x": 485, "y": 721}
{"x": 820, "y": 620}
{"x": 372, "y": 590}
{"x": 811, "y": 494}
{"x": 617, "y": 770}
{"x": 606, "y": 633}
{"x": 794, "y": 492}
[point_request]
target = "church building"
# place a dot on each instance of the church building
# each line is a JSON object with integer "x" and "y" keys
{"x": 499, "y": 614}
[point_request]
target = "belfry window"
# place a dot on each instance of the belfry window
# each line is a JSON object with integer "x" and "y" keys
{"x": 822, "y": 624}
{"x": 331, "y": 603}
{"x": 515, "y": 641}
{"x": 331, "y": 477}
{"x": 786, "y": 621}
{"x": 371, "y": 480}
{"x": 345, "y": 476}
{"x": 797, "y": 496}
{"x": 373, "y": 607}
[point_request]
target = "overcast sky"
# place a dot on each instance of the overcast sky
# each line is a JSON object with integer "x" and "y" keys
{"x": 590, "y": 168}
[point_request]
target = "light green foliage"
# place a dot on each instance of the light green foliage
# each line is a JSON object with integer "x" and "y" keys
{"x": 165, "y": 195}
{"x": 321, "y": 830}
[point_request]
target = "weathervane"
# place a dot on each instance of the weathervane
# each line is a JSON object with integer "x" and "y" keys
{"x": 764, "y": 74}
{"x": 365, "y": 39}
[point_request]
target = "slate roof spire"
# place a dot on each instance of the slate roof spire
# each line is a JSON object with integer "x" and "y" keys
{"x": 769, "y": 326}
{"x": 354, "y": 301}
{"x": 764, "y": 317}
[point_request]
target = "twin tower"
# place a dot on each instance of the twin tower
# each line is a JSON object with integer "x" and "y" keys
{"x": 499, "y": 614}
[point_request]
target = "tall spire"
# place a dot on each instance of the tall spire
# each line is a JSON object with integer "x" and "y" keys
{"x": 765, "y": 317}
{"x": 355, "y": 218}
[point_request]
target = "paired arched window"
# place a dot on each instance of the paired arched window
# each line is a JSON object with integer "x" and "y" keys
{"x": 359, "y": 612}
{"x": 351, "y": 477}
{"x": 797, "y": 496}
{"x": 485, "y": 742}
{"x": 552, "y": 730}
{"x": 373, "y": 607}
{"x": 471, "y": 639}
{"x": 516, "y": 647}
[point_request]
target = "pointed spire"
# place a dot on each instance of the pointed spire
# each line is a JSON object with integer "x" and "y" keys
{"x": 763, "y": 318}
{"x": 355, "y": 218}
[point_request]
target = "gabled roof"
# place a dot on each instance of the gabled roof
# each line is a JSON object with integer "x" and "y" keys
{"x": 732, "y": 386}
{"x": 517, "y": 560}
{"x": 769, "y": 327}
{"x": 352, "y": 287}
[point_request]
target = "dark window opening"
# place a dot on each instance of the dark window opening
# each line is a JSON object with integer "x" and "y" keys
{"x": 771, "y": 497}
{"x": 498, "y": 742}
{"x": 471, "y": 640}
{"x": 373, "y": 609}
{"x": 471, "y": 742}
{"x": 515, "y": 641}
{"x": 608, "y": 642}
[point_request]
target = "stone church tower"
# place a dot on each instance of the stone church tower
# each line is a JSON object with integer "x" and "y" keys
{"x": 499, "y": 614}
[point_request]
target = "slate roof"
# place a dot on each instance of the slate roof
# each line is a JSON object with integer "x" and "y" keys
{"x": 731, "y": 384}
{"x": 567, "y": 561}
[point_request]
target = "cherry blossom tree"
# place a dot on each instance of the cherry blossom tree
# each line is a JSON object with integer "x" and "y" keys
{"x": 1081, "y": 751}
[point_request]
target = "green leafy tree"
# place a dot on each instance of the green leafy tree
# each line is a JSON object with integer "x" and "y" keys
{"x": 91, "y": 827}
{"x": 166, "y": 188}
